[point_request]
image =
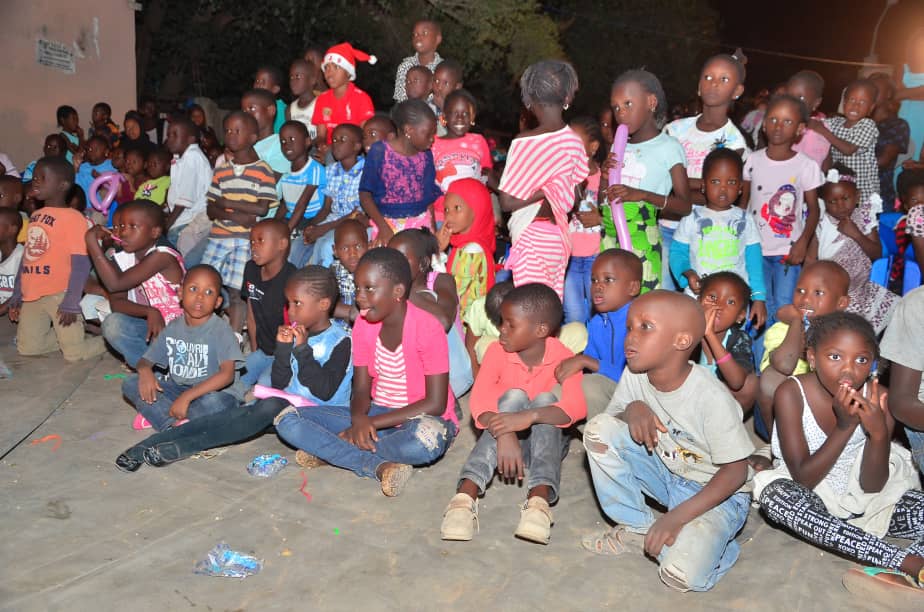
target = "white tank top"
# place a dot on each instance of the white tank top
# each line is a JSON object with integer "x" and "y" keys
{"x": 304, "y": 115}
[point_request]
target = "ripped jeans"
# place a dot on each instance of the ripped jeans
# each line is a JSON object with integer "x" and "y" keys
{"x": 543, "y": 447}
{"x": 623, "y": 474}
{"x": 418, "y": 441}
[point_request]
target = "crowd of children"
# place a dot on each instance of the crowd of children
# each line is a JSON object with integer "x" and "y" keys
{"x": 359, "y": 253}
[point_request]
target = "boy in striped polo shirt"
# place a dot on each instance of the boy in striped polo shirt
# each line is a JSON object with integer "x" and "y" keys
{"x": 241, "y": 192}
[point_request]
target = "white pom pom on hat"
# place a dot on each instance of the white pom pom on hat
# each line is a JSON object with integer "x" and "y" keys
{"x": 345, "y": 56}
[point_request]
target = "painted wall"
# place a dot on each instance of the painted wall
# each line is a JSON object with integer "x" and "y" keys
{"x": 101, "y": 36}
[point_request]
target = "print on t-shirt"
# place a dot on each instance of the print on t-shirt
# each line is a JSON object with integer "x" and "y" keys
{"x": 719, "y": 246}
{"x": 187, "y": 359}
{"x": 779, "y": 212}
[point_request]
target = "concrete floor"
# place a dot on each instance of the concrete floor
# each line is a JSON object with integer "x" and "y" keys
{"x": 77, "y": 534}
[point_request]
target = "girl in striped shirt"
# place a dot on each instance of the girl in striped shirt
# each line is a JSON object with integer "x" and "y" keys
{"x": 544, "y": 165}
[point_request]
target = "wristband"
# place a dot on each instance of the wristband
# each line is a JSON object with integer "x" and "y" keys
{"x": 723, "y": 359}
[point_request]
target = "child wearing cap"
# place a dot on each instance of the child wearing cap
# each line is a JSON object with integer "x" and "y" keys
{"x": 344, "y": 102}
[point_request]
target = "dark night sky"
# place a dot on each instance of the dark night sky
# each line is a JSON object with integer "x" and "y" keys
{"x": 838, "y": 30}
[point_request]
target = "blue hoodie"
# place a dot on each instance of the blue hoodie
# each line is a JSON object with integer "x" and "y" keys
{"x": 606, "y": 335}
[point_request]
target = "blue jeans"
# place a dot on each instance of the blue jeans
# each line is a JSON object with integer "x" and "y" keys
{"x": 577, "y": 300}
{"x": 158, "y": 413}
{"x": 126, "y": 335}
{"x": 323, "y": 254}
{"x": 418, "y": 441}
{"x": 705, "y": 549}
{"x": 667, "y": 279}
{"x": 460, "y": 364}
{"x": 543, "y": 447}
{"x": 916, "y": 442}
{"x": 194, "y": 256}
{"x": 257, "y": 368}
{"x": 781, "y": 284}
{"x": 299, "y": 252}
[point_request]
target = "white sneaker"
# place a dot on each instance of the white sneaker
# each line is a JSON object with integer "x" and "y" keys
{"x": 535, "y": 521}
{"x": 460, "y": 521}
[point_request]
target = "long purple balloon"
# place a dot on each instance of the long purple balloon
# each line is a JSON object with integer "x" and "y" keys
{"x": 615, "y": 178}
{"x": 112, "y": 180}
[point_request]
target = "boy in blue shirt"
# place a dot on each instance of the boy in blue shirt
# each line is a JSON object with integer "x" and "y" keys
{"x": 300, "y": 190}
{"x": 615, "y": 279}
{"x": 92, "y": 161}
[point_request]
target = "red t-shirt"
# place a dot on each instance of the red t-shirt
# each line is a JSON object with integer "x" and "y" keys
{"x": 330, "y": 111}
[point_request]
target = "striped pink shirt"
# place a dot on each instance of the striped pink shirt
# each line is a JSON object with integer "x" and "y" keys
{"x": 390, "y": 386}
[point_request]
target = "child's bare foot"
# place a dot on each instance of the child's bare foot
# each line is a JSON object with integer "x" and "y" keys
{"x": 307, "y": 460}
{"x": 893, "y": 590}
{"x": 394, "y": 477}
{"x": 615, "y": 541}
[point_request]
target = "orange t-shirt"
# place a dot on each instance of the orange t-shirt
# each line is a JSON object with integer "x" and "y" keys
{"x": 54, "y": 235}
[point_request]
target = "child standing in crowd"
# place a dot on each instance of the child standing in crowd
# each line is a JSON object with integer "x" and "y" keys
{"x": 419, "y": 84}
{"x": 447, "y": 77}
{"x": 341, "y": 193}
{"x": 894, "y": 135}
{"x": 585, "y": 241}
{"x": 261, "y": 104}
{"x": 426, "y": 38}
{"x": 524, "y": 412}
{"x": 460, "y": 153}
{"x": 809, "y": 87}
{"x": 853, "y": 137}
{"x": 721, "y": 82}
{"x": 400, "y": 413}
{"x": 201, "y": 357}
{"x": 841, "y": 483}
{"x": 543, "y": 168}
{"x": 344, "y": 102}
{"x": 157, "y": 184}
{"x": 10, "y": 255}
{"x": 616, "y": 279}
{"x": 654, "y": 180}
{"x": 720, "y": 236}
{"x": 847, "y": 234}
{"x": 69, "y": 122}
{"x": 399, "y": 181}
{"x": 302, "y": 77}
{"x": 190, "y": 177}
{"x": 153, "y": 273}
{"x": 242, "y": 191}
{"x": 780, "y": 192}
{"x": 312, "y": 360}
{"x": 53, "y": 272}
{"x": 270, "y": 79}
{"x": 301, "y": 189}
{"x": 206, "y": 135}
{"x": 265, "y": 278}
{"x": 350, "y": 243}
{"x": 680, "y": 440}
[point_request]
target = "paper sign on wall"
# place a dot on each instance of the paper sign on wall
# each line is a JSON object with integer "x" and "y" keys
{"x": 54, "y": 55}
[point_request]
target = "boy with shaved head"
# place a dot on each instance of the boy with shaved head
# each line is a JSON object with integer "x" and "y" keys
{"x": 672, "y": 432}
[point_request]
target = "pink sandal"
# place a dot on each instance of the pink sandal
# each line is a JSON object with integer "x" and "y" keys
{"x": 141, "y": 423}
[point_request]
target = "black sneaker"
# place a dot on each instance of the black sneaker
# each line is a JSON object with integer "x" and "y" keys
{"x": 161, "y": 454}
{"x": 127, "y": 464}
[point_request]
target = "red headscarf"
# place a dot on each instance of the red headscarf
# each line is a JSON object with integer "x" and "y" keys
{"x": 481, "y": 232}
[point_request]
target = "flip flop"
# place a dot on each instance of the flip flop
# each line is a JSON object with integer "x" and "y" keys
{"x": 141, "y": 423}
{"x": 892, "y": 589}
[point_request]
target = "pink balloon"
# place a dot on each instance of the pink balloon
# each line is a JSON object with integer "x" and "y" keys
{"x": 112, "y": 180}
{"x": 615, "y": 176}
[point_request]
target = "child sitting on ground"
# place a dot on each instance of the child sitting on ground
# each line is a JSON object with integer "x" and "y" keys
{"x": 312, "y": 361}
{"x": 157, "y": 167}
{"x": 10, "y": 255}
{"x": 270, "y": 78}
{"x": 399, "y": 181}
{"x": 615, "y": 280}
{"x": 190, "y": 177}
{"x": 152, "y": 270}
{"x": 241, "y": 192}
{"x": 344, "y": 102}
{"x": 674, "y": 432}
{"x": 261, "y": 104}
{"x": 376, "y": 128}
{"x": 847, "y": 234}
{"x": 265, "y": 278}
{"x": 401, "y": 413}
{"x": 350, "y": 243}
{"x": 821, "y": 289}
{"x": 720, "y": 236}
{"x": 435, "y": 292}
{"x": 841, "y": 483}
{"x": 524, "y": 412}
{"x": 726, "y": 347}
{"x": 341, "y": 193}
{"x": 300, "y": 190}
{"x": 199, "y": 355}
{"x": 54, "y": 270}
{"x": 302, "y": 77}
{"x": 426, "y": 38}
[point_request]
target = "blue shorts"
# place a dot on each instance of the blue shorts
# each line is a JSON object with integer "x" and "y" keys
{"x": 228, "y": 256}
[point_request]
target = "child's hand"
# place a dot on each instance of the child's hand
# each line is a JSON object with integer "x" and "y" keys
{"x": 180, "y": 407}
{"x": 66, "y": 319}
{"x": 612, "y": 163}
{"x": 789, "y": 314}
{"x": 284, "y": 334}
{"x": 663, "y": 533}
{"x": 759, "y": 313}
{"x": 509, "y": 458}
{"x": 443, "y": 237}
{"x": 797, "y": 253}
{"x": 14, "y": 314}
{"x": 694, "y": 281}
{"x": 300, "y": 334}
{"x": 148, "y": 386}
{"x": 624, "y": 194}
{"x": 644, "y": 425}
{"x": 847, "y": 227}
{"x": 873, "y": 412}
{"x": 510, "y": 422}
{"x": 156, "y": 324}
{"x": 385, "y": 234}
{"x": 311, "y": 234}
{"x": 96, "y": 234}
{"x": 568, "y": 367}
{"x": 590, "y": 218}
{"x": 361, "y": 434}
{"x": 844, "y": 409}
{"x": 94, "y": 174}
{"x": 711, "y": 313}
{"x": 817, "y": 125}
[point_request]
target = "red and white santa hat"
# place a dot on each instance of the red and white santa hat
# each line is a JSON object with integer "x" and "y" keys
{"x": 345, "y": 56}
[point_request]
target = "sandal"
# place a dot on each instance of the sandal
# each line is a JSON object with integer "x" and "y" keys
{"x": 140, "y": 423}
{"x": 895, "y": 590}
{"x": 614, "y": 542}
